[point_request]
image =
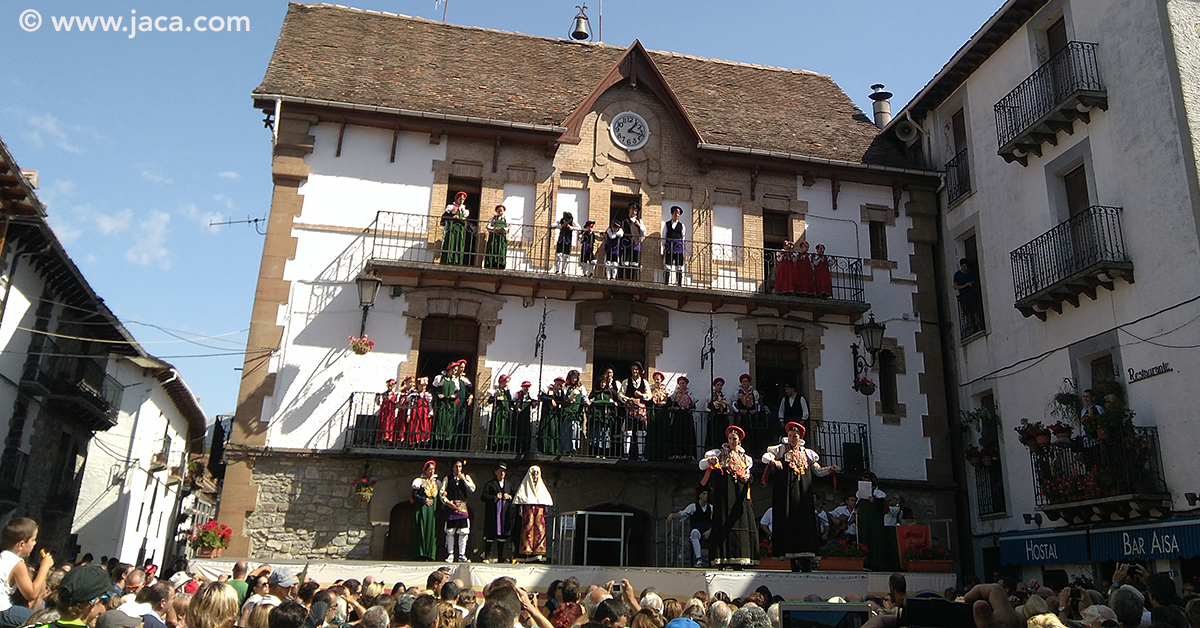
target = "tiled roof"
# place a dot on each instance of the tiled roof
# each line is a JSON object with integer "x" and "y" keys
{"x": 380, "y": 59}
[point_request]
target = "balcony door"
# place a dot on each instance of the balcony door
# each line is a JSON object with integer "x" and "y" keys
{"x": 1083, "y": 236}
{"x": 474, "y": 190}
{"x": 617, "y": 349}
{"x": 444, "y": 340}
{"x": 1060, "y": 71}
{"x": 776, "y": 365}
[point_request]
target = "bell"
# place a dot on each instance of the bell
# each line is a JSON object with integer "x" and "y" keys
{"x": 581, "y": 28}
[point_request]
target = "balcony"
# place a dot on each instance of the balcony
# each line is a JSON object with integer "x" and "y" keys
{"x": 12, "y": 473}
{"x": 1064, "y": 89}
{"x": 406, "y": 249}
{"x": 1089, "y": 480}
{"x": 1073, "y": 258}
{"x": 671, "y": 437}
{"x": 958, "y": 177}
{"x": 989, "y": 489}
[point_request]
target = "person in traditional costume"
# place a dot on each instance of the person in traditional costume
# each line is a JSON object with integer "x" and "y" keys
{"x": 388, "y": 402}
{"x": 822, "y": 279}
{"x": 587, "y": 249}
{"x": 454, "y": 229}
{"x": 564, "y": 242}
{"x": 552, "y": 402}
{"x": 635, "y": 392}
{"x": 455, "y": 491}
{"x": 533, "y": 501}
{"x": 786, "y": 269}
{"x": 631, "y": 243}
{"x": 499, "y": 425}
{"x": 791, "y": 467}
{"x": 445, "y": 409}
{"x": 792, "y": 407}
{"x": 804, "y": 270}
{"x": 464, "y": 398}
{"x": 747, "y": 406}
{"x": 497, "y": 514}
{"x": 612, "y": 249}
{"x": 575, "y": 401}
{"x": 658, "y": 421}
{"x": 720, "y": 415}
{"x": 495, "y": 253}
{"x": 687, "y": 431}
{"x": 420, "y": 413}
{"x": 734, "y": 539}
{"x": 870, "y": 511}
{"x": 424, "y": 500}
{"x": 603, "y": 417}
{"x": 525, "y": 406}
{"x": 700, "y": 516}
{"x": 402, "y": 407}
{"x": 673, "y": 233}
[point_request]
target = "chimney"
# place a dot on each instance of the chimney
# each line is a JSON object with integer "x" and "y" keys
{"x": 883, "y": 108}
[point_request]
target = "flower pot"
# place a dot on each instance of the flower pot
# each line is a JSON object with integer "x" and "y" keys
{"x": 866, "y": 389}
{"x": 1042, "y": 440}
{"x": 361, "y": 349}
{"x": 1102, "y": 433}
{"x": 975, "y": 462}
{"x": 938, "y": 566}
{"x": 210, "y": 552}
{"x": 363, "y": 496}
{"x": 986, "y": 461}
{"x": 1032, "y": 445}
{"x": 1062, "y": 435}
{"x": 840, "y": 563}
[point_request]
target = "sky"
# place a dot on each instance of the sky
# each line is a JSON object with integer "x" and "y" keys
{"x": 142, "y": 143}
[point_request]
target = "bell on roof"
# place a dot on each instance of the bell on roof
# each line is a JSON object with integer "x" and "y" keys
{"x": 581, "y": 28}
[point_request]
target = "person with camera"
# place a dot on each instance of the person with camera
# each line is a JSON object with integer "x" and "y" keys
{"x": 988, "y": 605}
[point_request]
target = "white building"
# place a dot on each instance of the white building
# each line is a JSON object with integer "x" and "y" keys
{"x": 1067, "y": 131}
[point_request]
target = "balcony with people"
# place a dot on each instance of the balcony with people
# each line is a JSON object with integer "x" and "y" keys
{"x": 1066, "y": 88}
{"x": 418, "y": 249}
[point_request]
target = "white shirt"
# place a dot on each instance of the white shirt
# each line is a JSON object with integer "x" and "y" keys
{"x": 134, "y": 609}
{"x": 692, "y": 508}
{"x": 822, "y": 522}
{"x": 768, "y": 520}
{"x": 843, "y": 511}
{"x": 803, "y": 407}
{"x": 892, "y": 517}
{"x": 8, "y": 561}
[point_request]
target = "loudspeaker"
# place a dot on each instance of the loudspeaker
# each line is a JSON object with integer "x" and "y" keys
{"x": 907, "y": 132}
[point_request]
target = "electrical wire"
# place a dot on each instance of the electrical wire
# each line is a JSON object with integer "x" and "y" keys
{"x": 123, "y": 342}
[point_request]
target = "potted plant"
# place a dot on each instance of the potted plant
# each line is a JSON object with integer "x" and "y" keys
{"x": 364, "y": 489}
{"x": 975, "y": 418}
{"x": 361, "y": 346}
{"x": 211, "y": 538}
{"x": 843, "y": 555}
{"x": 1032, "y": 434}
{"x": 1100, "y": 425}
{"x": 932, "y": 558}
{"x": 1061, "y": 430}
{"x": 864, "y": 385}
{"x": 973, "y": 455}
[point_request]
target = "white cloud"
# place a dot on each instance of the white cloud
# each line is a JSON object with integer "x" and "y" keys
{"x": 90, "y": 258}
{"x": 52, "y": 126}
{"x": 56, "y": 190}
{"x": 114, "y": 223}
{"x": 150, "y": 246}
{"x": 229, "y": 174}
{"x": 226, "y": 201}
{"x": 150, "y": 173}
{"x": 65, "y": 229}
{"x": 205, "y": 218}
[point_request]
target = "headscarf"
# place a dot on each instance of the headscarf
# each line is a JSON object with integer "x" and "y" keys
{"x": 533, "y": 493}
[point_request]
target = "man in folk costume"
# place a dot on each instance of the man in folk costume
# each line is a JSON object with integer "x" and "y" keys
{"x": 445, "y": 409}
{"x": 792, "y": 407}
{"x": 719, "y": 410}
{"x": 612, "y": 247}
{"x": 734, "y": 539}
{"x": 424, "y": 500}
{"x": 533, "y": 500}
{"x": 673, "y": 233}
{"x": 635, "y": 391}
{"x": 603, "y": 416}
{"x": 455, "y": 491}
{"x": 497, "y": 513}
{"x": 700, "y": 515}
{"x": 792, "y": 466}
{"x": 465, "y": 397}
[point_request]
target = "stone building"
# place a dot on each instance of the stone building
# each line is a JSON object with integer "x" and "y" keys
{"x": 1067, "y": 131}
{"x": 379, "y": 119}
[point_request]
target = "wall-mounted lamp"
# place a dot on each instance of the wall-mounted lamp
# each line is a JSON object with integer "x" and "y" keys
{"x": 1191, "y": 498}
{"x": 368, "y": 289}
{"x": 1033, "y": 518}
{"x": 872, "y": 338}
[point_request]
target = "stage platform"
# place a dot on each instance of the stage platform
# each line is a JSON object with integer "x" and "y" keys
{"x": 677, "y": 583}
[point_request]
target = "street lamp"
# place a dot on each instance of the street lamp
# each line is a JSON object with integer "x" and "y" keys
{"x": 368, "y": 289}
{"x": 872, "y": 338}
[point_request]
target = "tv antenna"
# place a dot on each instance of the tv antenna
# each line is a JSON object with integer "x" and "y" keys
{"x": 247, "y": 221}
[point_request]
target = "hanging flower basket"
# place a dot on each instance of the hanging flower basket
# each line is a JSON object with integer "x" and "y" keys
{"x": 361, "y": 346}
{"x": 864, "y": 386}
{"x": 363, "y": 496}
{"x": 364, "y": 488}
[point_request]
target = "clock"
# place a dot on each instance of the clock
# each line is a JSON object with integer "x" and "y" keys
{"x": 629, "y": 130}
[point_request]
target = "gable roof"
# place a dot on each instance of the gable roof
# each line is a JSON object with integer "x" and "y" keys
{"x": 367, "y": 58}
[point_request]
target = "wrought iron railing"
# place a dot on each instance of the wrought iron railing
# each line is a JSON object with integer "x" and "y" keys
{"x": 602, "y": 430}
{"x": 958, "y": 177}
{"x": 534, "y": 250}
{"x": 989, "y": 488}
{"x": 1083, "y": 241}
{"x": 1126, "y": 464}
{"x": 1072, "y": 69}
{"x": 970, "y": 314}
{"x": 65, "y": 371}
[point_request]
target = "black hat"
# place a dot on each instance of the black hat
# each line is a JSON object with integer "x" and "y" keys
{"x": 502, "y": 465}
{"x": 703, "y": 488}
{"x": 84, "y": 584}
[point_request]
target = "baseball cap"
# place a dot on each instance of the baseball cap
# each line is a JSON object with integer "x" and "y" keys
{"x": 84, "y": 584}
{"x": 282, "y": 577}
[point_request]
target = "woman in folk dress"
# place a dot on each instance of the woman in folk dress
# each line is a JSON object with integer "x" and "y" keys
{"x": 533, "y": 500}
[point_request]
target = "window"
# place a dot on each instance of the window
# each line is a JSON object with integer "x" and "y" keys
{"x": 958, "y": 125}
{"x": 444, "y": 340}
{"x": 887, "y": 383}
{"x": 989, "y": 480}
{"x": 776, "y": 229}
{"x": 970, "y": 299}
{"x": 1056, "y": 36}
{"x": 1103, "y": 369}
{"x": 878, "y": 233}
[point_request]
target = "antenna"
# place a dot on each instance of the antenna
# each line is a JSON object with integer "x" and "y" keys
{"x": 247, "y": 221}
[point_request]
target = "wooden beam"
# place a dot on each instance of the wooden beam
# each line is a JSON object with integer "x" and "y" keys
{"x": 395, "y": 138}
{"x": 341, "y": 134}
{"x": 835, "y": 186}
{"x": 496, "y": 153}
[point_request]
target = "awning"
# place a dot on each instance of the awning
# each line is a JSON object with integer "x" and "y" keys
{"x": 1048, "y": 547}
{"x": 1174, "y": 538}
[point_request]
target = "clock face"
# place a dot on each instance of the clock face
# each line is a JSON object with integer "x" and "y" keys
{"x": 629, "y": 130}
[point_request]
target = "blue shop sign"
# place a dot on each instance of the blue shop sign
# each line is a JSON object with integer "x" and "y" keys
{"x": 1049, "y": 548}
{"x": 1175, "y": 538}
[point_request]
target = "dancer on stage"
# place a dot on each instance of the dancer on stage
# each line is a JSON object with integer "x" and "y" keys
{"x": 455, "y": 491}
{"x": 792, "y": 466}
{"x": 533, "y": 499}
{"x": 700, "y": 514}
{"x": 734, "y": 539}
{"x": 424, "y": 498}
{"x": 497, "y": 514}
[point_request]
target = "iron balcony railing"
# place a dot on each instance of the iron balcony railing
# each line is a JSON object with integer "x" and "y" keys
{"x": 958, "y": 177}
{"x": 1071, "y": 70}
{"x": 65, "y": 373}
{"x": 603, "y": 430}
{"x": 1083, "y": 242}
{"x": 989, "y": 488}
{"x": 533, "y": 250}
{"x": 970, "y": 315}
{"x": 1086, "y": 470}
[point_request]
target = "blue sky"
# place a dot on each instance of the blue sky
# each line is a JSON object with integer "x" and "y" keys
{"x": 140, "y": 143}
